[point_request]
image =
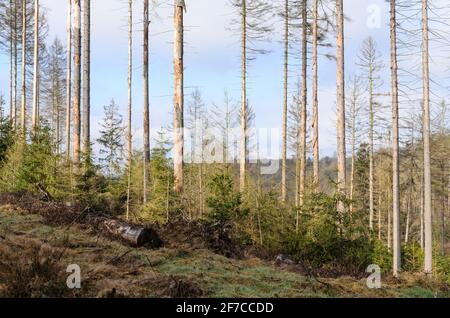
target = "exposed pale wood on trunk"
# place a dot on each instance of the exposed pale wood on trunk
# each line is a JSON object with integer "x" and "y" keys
{"x": 178, "y": 97}
{"x": 11, "y": 63}
{"x": 77, "y": 83}
{"x": 86, "y": 78}
{"x": 34, "y": 117}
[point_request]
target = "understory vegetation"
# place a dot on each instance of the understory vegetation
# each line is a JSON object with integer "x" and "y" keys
{"x": 318, "y": 237}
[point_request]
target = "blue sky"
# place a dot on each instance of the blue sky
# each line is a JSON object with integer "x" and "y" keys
{"x": 211, "y": 60}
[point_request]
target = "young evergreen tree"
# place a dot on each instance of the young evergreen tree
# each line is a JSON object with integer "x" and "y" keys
{"x": 112, "y": 140}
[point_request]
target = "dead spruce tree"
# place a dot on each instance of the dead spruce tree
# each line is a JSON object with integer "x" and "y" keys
{"x": 428, "y": 266}
{"x": 35, "y": 111}
{"x": 77, "y": 83}
{"x": 340, "y": 88}
{"x": 253, "y": 25}
{"x": 395, "y": 145}
{"x": 371, "y": 66}
{"x": 146, "y": 123}
{"x": 69, "y": 78}
{"x": 86, "y": 78}
{"x": 178, "y": 122}
{"x": 130, "y": 105}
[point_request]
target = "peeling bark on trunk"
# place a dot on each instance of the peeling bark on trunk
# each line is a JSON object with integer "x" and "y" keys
{"x": 86, "y": 78}
{"x": 178, "y": 97}
{"x": 77, "y": 83}
{"x": 11, "y": 63}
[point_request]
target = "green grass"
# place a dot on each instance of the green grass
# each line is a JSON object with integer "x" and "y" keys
{"x": 217, "y": 276}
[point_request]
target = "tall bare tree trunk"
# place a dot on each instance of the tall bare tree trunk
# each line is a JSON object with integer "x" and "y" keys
{"x": 395, "y": 146}
{"x": 304, "y": 98}
{"x": 146, "y": 104}
{"x": 77, "y": 83}
{"x": 35, "y": 119}
{"x": 14, "y": 112}
{"x": 340, "y": 101}
{"x": 243, "y": 137}
{"x": 11, "y": 61}
{"x": 69, "y": 78}
{"x": 24, "y": 63}
{"x": 315, "y": 102}
{"x": 86, "y": 78}
{"x": 422, "y": 216}
{"x": 353, "y": 145}
{"x": 428, "y": 266}
{"x": 371, "y": 149}
{"x": 130, "y": 83}
{"x": 178, "y": 124}
{"x": 58, "y": 131}
{"x": 285, "y": 101}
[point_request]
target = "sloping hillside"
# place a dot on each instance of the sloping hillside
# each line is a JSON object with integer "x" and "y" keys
{"x": 34, "y": 257}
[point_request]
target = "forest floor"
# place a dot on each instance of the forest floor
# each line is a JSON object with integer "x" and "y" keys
{"x": 34, "y": 257}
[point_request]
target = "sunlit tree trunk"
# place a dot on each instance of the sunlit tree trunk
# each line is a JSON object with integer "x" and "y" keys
{"x": 130, "y": 82}
{"x": 303, "y": 101}
{"x": 340, "y": 101}
{"x": 23, "y": 112}
{"x": 178, "y": 96}
{"x": 285, "y": 101}
{"x": 395, "y": 146}
{"x": 428, "y": 266}
{"x": 243, "y": 118}
{"x": 86, "y": 78}
{"x": 34, "y": 118}
{"x": 146, "y": 104}
{"x": 315, "y": 102}
{"x": 69, "y": 78}
{"x": 77, "y": 83}
{"x": 14, "y": 111}
{"x": 11, "y": 62}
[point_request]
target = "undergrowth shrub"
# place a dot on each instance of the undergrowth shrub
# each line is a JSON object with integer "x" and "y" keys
{"x": 328, "y": 240}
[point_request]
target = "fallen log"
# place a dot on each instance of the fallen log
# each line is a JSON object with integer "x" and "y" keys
{"x": 133, "y": 235}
